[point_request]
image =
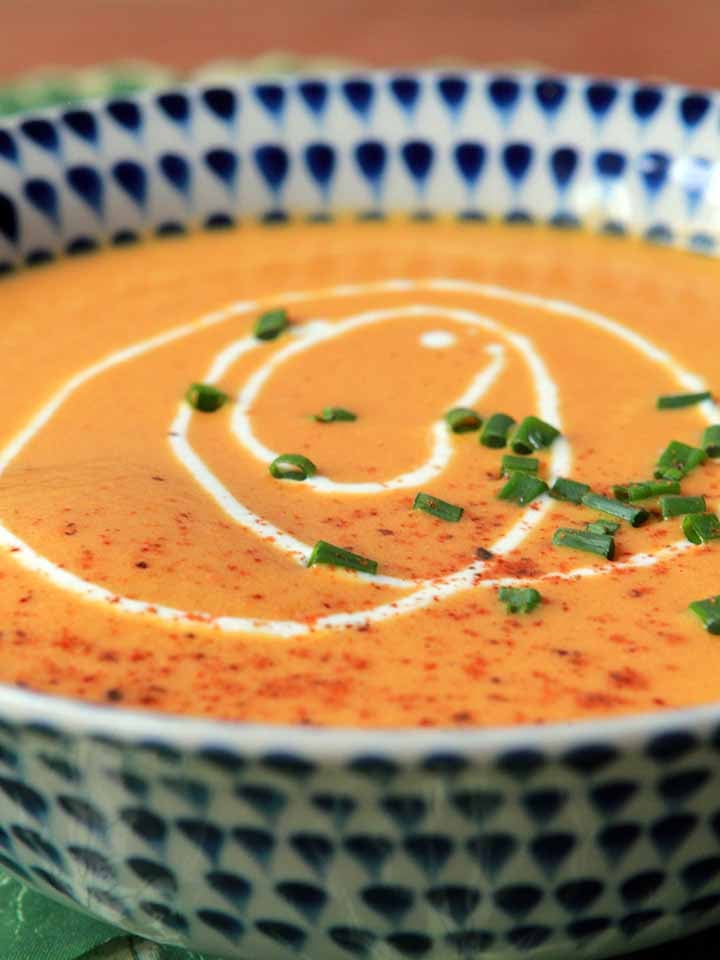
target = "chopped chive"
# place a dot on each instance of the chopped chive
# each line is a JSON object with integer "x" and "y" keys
{"x": 324, "y": 552}
{"x": 437, "y": 508}
{"x": 511, "y": 463}
{"x": 334, "y": 415}
{"x": 603, "y": 526}
{"x": 708, "y": 612}
{"x": 495, "y": 432}
{"x": 532, "y": 434}
{"x": 674, "y": 506}
{"x": 570, "y": 490}
{"x": 616, "y": 508}
{"x": 522, "y": 488}
{"x": 677, "y": 460}
{"x": 271, "y": 324}
{"x": 519, "y": 599}
{"x": 711, "y": 441}
{"x": 205, "y": 397}
{"x": 643, "y": 491}
{"x": 463, "y": 420}
{"x": 599, "y": 543}
{"x": 292, "y": 466}
{"x": 701, "y": 527}
{"x": 677, "y": 400}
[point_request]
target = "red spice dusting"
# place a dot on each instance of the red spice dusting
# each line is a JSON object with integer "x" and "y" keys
{"x": 598, "y": 700}
{"x": 629, "y": 678}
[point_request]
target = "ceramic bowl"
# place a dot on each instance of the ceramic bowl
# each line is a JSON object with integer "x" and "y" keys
{"x": 270, "y": 842}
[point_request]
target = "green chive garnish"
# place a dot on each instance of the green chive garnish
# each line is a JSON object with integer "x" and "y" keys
{"x": 271, "y": 324}
{"x": 324, "y": 552}
{"x": 677, "y": 460}
{"x": 533, "y": 434}
{"x": 701, "y": 527}
{"x": 292, "y": 466}
{"x": 463, "y": 420}
{"x": 495, "y": 432}
{"x": 599, "y": 543}
{"x": 522, "y": 488}
{"x": 437, "y": 508}
{"x": 519, "y": 599}
{"x": 616, "y": 508}
{"x": 205, "y": 397}
{"x": 677, "y": 400}
{"x": 511, "y": 463}
{"x": 708, "y": 612}
{"x": 334, "y": 415}
{"x": 570, "y": 490}
{"x": 711, "y": 441}
{"x": 674, "y": 506}
{"x": 643, "y": 491}
{"x": 608, "y": 527}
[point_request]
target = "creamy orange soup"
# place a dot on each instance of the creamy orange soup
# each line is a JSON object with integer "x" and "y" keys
{"x": 150, "y": 559}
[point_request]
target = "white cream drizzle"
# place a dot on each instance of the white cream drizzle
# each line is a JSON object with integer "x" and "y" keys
{"x": 442, "y": 447}
{"x": 423, "y": 592}
{"x": 438, "y": 339}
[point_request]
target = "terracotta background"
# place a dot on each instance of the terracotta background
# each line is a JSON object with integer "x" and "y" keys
{"x": 675, "y": 39}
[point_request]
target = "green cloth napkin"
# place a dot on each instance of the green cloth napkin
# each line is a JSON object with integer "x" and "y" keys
{"x": 32, "y": 927}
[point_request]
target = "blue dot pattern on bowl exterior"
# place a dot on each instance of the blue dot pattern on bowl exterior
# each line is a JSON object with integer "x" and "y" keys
{"x": 279, "y": 843}
{"x": 619, "y": 157}
{"x": 581, "y": 846}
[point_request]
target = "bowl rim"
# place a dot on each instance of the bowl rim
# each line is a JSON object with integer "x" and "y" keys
{"x": 81, "y": 718}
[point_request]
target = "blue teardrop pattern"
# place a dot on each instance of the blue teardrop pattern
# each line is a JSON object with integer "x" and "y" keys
{"x": 132, "y": 179}
{"x": 222, "y": 102}
{"x": 371, "y": 160}
{"x": 653, "y": 168}
{"x": 550, "y": 93}
{"x": 176, "y": 107}
{"x": 127, "y": 115}
{"x": 272, "y": 97}
{"x": 9, "y": 229}
{"x": 693, "y": 108}
{"x": 645, "y": 102}
{"x": 469, "y": 157}
{"x": 204, "y": 835}
{"x": 176, "y": 170}
{"x": 601, "y": 98}
{"x": 42, "y": 133}
{"x": 314, "y": 94}
{"x": 320, "y": 162}
{"x": 610, "y": 166}
{"x": 273, "y": 163}
{"x": 453, "y": 91}
{"x": 406, "y": 92}
{"x": 8, "y": 147}
{"x": 87, "y": 183}
{"x": 43, "y": 196}
{"x": 84, "y": 125}
{"x": 516, "y": 161}
{"x": 564, "y": 163}
{"x": 222, "y": 923}
{"x": 504, "y": 95}
{"x": 360, "y": 95}
{"x": 418, "y": 157}
{"x": 224, "y": 164}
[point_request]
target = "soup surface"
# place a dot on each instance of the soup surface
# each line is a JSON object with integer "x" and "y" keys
{"x": 150, "y": 559}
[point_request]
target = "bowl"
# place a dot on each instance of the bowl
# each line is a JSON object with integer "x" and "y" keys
{"x": 275, "y": 842}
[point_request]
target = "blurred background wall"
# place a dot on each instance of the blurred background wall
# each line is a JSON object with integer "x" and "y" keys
{"x": 675, "y": 39}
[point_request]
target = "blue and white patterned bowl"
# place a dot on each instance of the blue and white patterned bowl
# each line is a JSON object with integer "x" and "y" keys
{"x": 332, "y": 844}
